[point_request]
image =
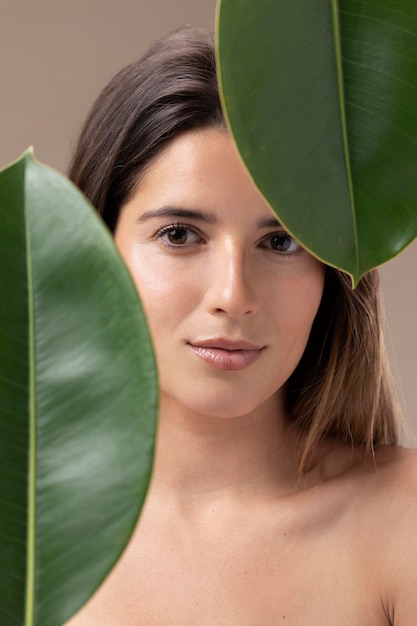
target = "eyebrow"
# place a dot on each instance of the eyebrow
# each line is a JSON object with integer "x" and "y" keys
{"x": 168, "y": 211}
{"x": 269, "y": 222}
{"x": 209, "y": 218}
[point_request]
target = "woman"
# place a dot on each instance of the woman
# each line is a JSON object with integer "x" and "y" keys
{"x": 279, "y": 494}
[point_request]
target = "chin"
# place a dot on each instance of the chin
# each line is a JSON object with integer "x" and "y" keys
{"x": 224, "y": 406}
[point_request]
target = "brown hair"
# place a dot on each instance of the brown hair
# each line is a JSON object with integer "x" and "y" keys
{"x": 171, "y": 89}
{"x": 342, "y": 386}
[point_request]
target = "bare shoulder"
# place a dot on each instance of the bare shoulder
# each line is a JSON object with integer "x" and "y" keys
{"x": 396, "y": 476}
{"x": 391, "y": 494}
{"x": 389, "y": 472}
{"x": 387, "y": 490}
{"x": 377, "y": 496}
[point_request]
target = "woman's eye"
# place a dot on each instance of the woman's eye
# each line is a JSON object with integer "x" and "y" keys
{"x": 282, "y": 242}
{"x": 178, "y": 236}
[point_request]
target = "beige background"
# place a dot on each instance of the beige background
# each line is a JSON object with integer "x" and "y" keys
{"x": 56, "y": 55}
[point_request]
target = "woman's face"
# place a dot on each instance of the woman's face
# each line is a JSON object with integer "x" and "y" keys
{"x": 230, "y": 298}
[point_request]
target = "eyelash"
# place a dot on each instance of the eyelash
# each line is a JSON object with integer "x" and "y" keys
{"x": 283, "y": 235}
{"x": 177, "y": 226}
{"x": 172, "y": 227}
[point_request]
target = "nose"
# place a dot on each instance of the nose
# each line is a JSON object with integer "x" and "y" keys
{"x": 232, "y": 282}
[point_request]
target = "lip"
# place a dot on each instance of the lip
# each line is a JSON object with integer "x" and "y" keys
{"x": 225, "y": 354}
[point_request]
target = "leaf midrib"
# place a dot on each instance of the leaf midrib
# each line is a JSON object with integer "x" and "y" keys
{"x": 31, "y": 519}
{"x": 341, "y": 91}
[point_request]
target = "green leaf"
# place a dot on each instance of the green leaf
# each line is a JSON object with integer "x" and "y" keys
{"x": 321, "y": 97}
{"x": 78, "y": 399}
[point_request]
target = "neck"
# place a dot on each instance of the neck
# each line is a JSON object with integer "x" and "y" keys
{"x": 202, "y": 459}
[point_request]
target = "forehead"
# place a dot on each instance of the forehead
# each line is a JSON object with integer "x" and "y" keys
{"x": 200, "y": 170}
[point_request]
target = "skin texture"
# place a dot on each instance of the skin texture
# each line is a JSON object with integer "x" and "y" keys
{"x": 224, "y": 282}
{"x": 230, "y": 534}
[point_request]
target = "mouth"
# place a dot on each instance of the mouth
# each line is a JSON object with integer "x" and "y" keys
{"x": 227, "y": 355}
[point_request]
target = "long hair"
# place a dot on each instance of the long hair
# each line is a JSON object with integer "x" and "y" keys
{"x": 170, "y": 90}
{"x": 342, "y": 386}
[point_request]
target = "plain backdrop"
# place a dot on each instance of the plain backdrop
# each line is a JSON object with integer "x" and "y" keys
{"x": 55, "y": 56}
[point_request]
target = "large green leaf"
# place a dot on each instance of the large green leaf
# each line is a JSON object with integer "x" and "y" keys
{"x": 78, "y": 399}
{"x": 321, "y": 97}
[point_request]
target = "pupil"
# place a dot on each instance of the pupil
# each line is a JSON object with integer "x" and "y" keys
{"x": 281, "y": 243}
{"x": 177, "y": 235}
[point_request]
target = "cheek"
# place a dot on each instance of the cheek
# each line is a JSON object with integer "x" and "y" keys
{"x": 303, "y": 304}
{"x": 311, "y": 297}
{"x": 161, "y": 290}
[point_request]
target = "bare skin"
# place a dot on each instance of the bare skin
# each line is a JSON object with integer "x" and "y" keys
{"x": 341, "y": 553}
{"x": 339, "y": 549}
{"x": 231, "y": 535}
